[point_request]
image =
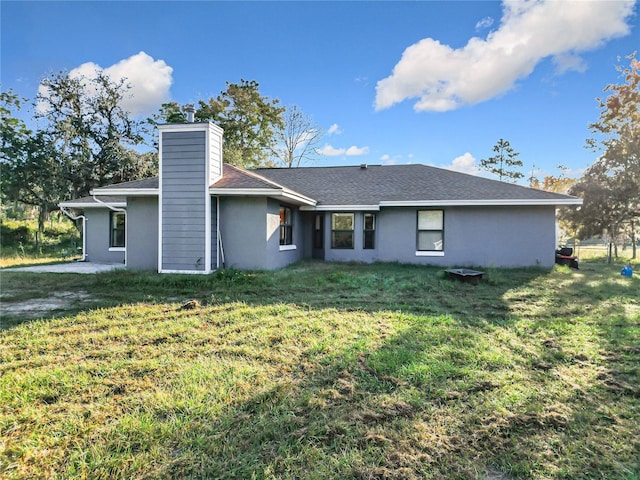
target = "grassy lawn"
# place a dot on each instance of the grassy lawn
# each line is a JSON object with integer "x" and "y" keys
{"x": 323, "y": 371}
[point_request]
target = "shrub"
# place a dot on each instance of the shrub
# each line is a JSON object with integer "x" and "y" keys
{"x": 16, "y": 232}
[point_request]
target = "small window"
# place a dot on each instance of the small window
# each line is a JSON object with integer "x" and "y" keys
{"x": 286, "y": 227}
{"x": 117, "y": 236}
{"x": 431, "y": 230}
{"x": 318, "y": 231}
{"x": 342, "y": 230}
{"x": 369, "y": 231}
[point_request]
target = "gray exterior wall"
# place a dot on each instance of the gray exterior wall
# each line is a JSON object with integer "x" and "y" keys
{"x": 142, "y": 233}
{"x": 249, "y": 228}
{"x": 97, "y": 237}
{"x": 183, "y": 184}
{"x": 277, "y": 257}
{"x": 243, "y": 227}
{"x": 358, "y": 253}
{"x": 214, "y": 234}
{"x": 473, "y": 236}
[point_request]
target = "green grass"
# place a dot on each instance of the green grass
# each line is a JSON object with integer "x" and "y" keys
{"x": 324, "y": 371}
{"x": 18, "y": 246}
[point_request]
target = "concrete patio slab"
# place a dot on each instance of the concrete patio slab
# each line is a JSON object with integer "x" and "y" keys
{"x": 70, "y": 267}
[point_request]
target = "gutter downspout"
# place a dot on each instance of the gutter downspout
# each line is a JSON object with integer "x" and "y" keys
{"x": 84, "y": 230}
{"x": 126, "y": 223}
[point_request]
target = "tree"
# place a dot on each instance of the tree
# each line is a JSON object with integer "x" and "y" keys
{"x": 92, "y": 131}
{"x": 31, "y": 166}
{"x": 503, "y": 162}
{"x": 560, "y": 184}
{"x": 298, "y": 138}
{"x": 87, "y": 142}
{"x": 250, "y": 122}
{"x": 554, "y": 183}
{"x": 610, "y": 188}
{"x": 35, "y": 175}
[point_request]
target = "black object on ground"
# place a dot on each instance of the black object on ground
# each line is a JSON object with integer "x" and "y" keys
{"x": 465, "y": 275}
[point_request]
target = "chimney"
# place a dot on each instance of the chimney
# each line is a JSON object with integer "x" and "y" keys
{"x": 190, "y": 112}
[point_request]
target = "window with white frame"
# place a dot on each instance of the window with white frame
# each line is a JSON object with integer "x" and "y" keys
{"x": 430, "y": 236}
{"x": 117, "y": 225}
{"x": 342, "y": 230}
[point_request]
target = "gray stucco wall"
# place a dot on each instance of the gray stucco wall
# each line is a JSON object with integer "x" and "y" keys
{"x": 214, "y": 233}
{"x": 142, "y": 234}
{"x": 97, "y": 237}
{"x": 473, "y": 236}
{"x": 278, "y": 257}
{"x": 183, "y": 179}
{"x": 249, "y": 228}
{"x": 358, "y": 253}
{"x": 243, "y": 227}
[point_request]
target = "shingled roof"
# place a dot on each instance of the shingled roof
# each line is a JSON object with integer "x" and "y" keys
{"x": 376, "y": 184}
{"x": 372, "y": 185}
{"x": 87, "y": 202}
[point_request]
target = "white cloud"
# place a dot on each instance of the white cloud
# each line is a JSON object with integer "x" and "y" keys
{"x": 352, "y": 151}
{"x": 486, "y": 22}
{"x": 443, "y": 78}
{"x": 330, "y": 151}
{"x": 334, "y": 129}
{"x": 150, "y": 81}
{"x": 465, "y": 163}
{"x": 568, "y": 62}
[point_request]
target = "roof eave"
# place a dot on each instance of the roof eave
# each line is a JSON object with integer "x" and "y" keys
{"x": 339, "y": 208}
{"x": 265, "y": 192}
{"x": 130, "y": 192}
{"x": 91, "y": 204}
{"x": 483, "y": 202}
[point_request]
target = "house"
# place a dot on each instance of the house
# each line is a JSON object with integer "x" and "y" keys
{"x": 201, "y": 214}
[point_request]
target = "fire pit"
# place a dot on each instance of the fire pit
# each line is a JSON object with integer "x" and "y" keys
{"x": 465, "y": 275}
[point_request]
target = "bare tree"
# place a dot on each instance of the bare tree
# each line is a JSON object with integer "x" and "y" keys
{"x": 298, "y": 140}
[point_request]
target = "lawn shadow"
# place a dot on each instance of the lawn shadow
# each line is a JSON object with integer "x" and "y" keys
{"x": 459, "y": 380}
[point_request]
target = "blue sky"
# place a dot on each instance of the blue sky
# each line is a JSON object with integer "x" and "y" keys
{"x": 427, "y": 82}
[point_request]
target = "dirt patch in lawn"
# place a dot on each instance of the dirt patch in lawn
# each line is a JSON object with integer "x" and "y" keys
{"x": 37, "y": 307}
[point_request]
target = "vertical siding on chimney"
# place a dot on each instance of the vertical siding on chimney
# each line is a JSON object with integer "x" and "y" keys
{"x": 183, "y": 184}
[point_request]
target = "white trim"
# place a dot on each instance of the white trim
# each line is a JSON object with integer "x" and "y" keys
{"x": 160, "y": 200}
{"x": 284, "y": 248}
{"x": 207, "y": 201}
{"x": 93, "y": 205}
{"x": 430, "y": 253}
{"x": 245, "y": 191}
{"x": 263, "y": 192}
{"x": 131, "y": 192}
{"x": 342, "y": 208}
{"x": 186, "y": 272}
{"x": 120, "y": 249}
{"x": 84, "y": 229}
{"x": 189, "y": 127}
{"x": 484, "y": 202}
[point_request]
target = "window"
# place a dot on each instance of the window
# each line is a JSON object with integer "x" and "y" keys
{"x": 286, "y": 228}
{"x": 342, "y": 230}
{"x": 117, "y": 229}
{"x": 318, "y": 231}
{"x": 369, "y": 231}
{"x": 431, "y": 230}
